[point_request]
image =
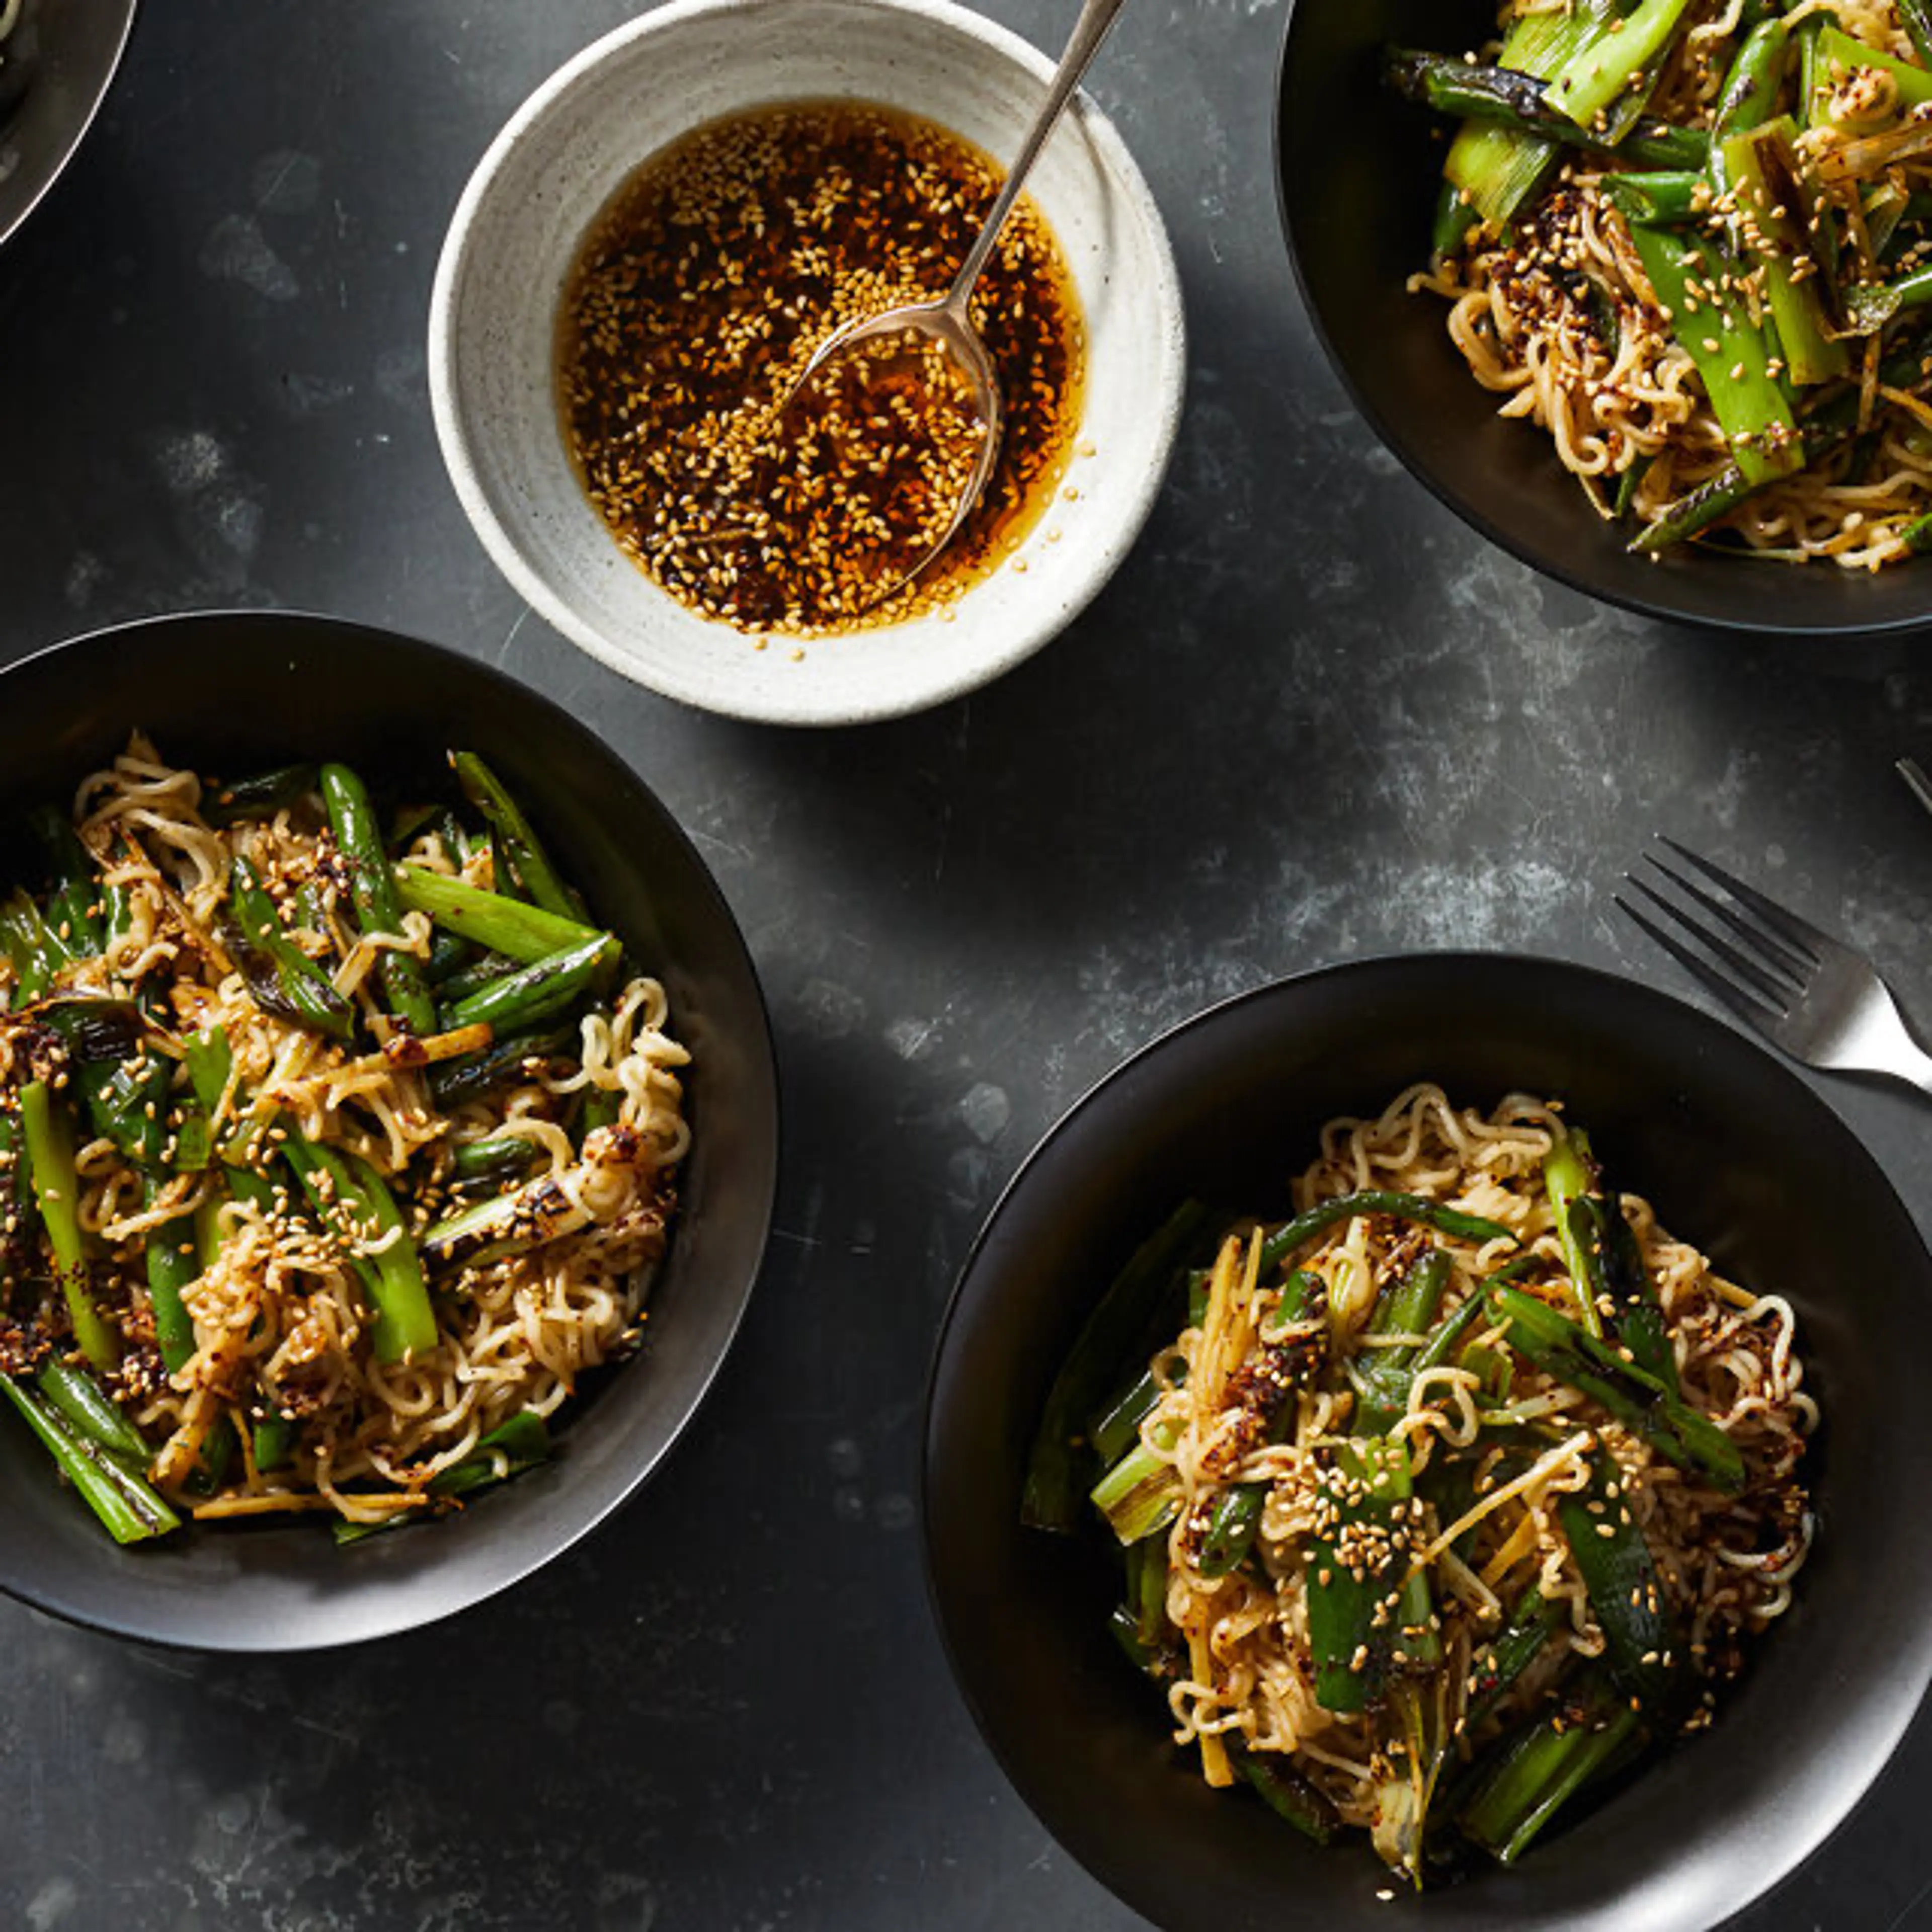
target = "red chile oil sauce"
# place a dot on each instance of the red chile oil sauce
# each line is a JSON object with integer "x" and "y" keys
{"x": 701, "y": 293}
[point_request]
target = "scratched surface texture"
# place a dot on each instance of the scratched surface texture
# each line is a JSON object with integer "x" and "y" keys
{"x": 1313, "y": 718}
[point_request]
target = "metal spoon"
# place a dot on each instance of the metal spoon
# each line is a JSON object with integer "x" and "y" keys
{"x": 948, "y": 320}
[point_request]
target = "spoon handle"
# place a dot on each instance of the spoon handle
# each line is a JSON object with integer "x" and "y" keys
{"x": 1089, "y": 31}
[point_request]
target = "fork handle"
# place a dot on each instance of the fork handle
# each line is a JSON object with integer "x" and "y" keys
{"x": 1879, "y": 1039}
{"x": 1911, "y": 1065}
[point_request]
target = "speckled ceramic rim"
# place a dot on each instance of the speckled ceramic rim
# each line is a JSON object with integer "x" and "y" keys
{"x": 1799, "y": 1760}
{"x": 49, "y": 148}
{"x": 1015, "y": 642}
{"x": 220, "y": 680}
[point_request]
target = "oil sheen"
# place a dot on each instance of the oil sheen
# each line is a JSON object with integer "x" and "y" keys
{"x": 699, "y": 296}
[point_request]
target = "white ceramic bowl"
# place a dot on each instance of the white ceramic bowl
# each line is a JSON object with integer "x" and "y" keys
{"x": 537, "y": 192}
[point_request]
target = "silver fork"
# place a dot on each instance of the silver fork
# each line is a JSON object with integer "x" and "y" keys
{"x": 1804, "y": 991}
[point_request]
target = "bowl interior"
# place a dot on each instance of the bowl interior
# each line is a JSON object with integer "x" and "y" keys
{"x": 1737, "y": 1155}
{"x": 1359, "y": 171}
{"x": 539, "y": 190}
{"x": 74, "y": 47}
{"x": 243, "y": 692}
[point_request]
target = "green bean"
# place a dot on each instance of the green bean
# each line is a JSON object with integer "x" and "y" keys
{"x": 527, "y": 861}
{"x": 127, "y": 1508}
{"x": 1495, "y": 1668}
{"x": 260, "y": 796}
{"x": 1381, "y": 1376}
{"x": 505, "y": 1061}
{"x": 85, "y": 1405}
{"x": 1679, "y": 1433}
{"x": 354, "y": 1201}
{"x": 36, "y": 955}
{"x": 1231, "y": 1525}
{"x": 49, "y": 1143}
{"x": 274, "y": 1441}
{"x": 1749, "y": 96}
{"x": 1288, "y": 1794}
{"x": 1451, "y": 85}
{"x": 473, "y": 977}
{"x": 173, "y": 1260}
{"x": 373, "y": 887}
{"x": 1665, "y": 197}
{"x": 524, "y": 933}
{"x": 539, "y": 991}
{"x": 1278, "y": 1246}
{"x": 497, "y": 1159}
{"x": 282, "y": 979}
{"x": 1545, "y": 1765}
{"x": 1642, "y": 1651}
{"x": 1604, "y": 1261}
{"x": 73, "y": 910}
{"x": 1354, "y": 1612}
{"x": 448, "y": 955}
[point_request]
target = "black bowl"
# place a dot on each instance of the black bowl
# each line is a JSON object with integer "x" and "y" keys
{"x": 60, "y": 61}
{"x": 1738, "y": 1155}
{"x": 240, "y": 691}
{"x": 1358, "y": 170}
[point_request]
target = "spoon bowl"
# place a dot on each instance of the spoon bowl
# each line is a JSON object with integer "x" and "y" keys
{"x": 947, "y": 323}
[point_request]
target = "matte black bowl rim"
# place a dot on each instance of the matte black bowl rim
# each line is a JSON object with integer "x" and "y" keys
{"x": 506, "y": 688}
{"x": 1471, "y": 511}
{"x": 71, "y": 143}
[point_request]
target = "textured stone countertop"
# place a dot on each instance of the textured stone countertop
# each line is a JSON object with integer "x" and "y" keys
{"x": 1312, "y": 718}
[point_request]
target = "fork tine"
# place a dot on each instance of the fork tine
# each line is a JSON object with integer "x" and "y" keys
{"x": 1752, "y": 1012}
{"x": 1775, "y": 999}
{"x": 1795, "y": 967}
{"x": 1806, "y": 937}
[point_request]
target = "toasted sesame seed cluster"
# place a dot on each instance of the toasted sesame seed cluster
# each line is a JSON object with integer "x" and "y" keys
{"x": 700, "y": 297}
